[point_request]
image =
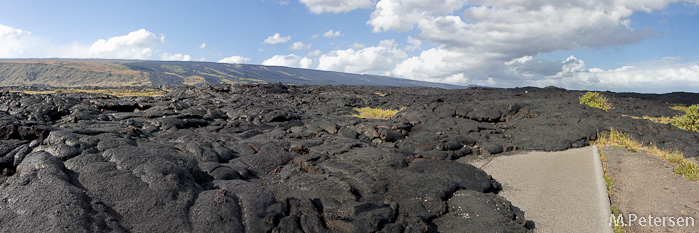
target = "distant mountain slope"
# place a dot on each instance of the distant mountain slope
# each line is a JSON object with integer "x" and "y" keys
{"x": 78, "y": 73}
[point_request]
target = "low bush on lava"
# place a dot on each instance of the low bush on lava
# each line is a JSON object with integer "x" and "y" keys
{"x": 689, "y": 121}
{"x": 593, "y": 99}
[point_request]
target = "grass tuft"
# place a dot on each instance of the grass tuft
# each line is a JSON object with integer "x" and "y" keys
{"x": 688, "y": 169}
{"x": 685, "y": 167}
{"x": 617, "y": 227}
{"x": 375, "y": 113}
{"x": 608, "y": 181}
{"x": 593, "y": 99}
{"x": 617, "y": 138}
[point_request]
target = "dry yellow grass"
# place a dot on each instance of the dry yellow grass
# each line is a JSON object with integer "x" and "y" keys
{"x": 375, "y": 113}
{"x": 662, "y": 119}
{"x": 679, "y": 108}
{"x": 684, "y": 166}
{"x": 194, "y": 80}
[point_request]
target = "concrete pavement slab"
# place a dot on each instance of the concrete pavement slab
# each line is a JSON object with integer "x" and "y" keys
{"x": 560, "y": 191}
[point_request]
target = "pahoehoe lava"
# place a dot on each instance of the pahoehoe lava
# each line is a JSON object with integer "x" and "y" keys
{"x": 276, "y": 158}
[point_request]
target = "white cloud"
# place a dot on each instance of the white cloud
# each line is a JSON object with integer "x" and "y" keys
{"x": 8, "y": 33}
{"x": 336, "y": 6}
{"x": 299, "y": 46}
{"x": 456, "y": 78}
{"x": 370, "y": 60}
{"x": 479, "y": 42}
{"x": 436, "y": 64}
{"x": 414, "y": 44}
{"x": 314, "y": 36}
{"x": 357, "y": 46}
{"x": 277, "y": 39}
{"x": 235, "y": 60}
{"x": 291, "y": 60}
{"x": 135, "y": 45}
{"x": 17, "y": 42}
{"x": 314, "y": 53}
{"x": 402, "y": 15}
{"x": 332, "y": 34}
{"x": 658, "y": 76}
{"x": 174, "y": 57}
{"x": 203, "y": 45}
{"x": 284, "y": 3}
{"x": 139, "y": 44}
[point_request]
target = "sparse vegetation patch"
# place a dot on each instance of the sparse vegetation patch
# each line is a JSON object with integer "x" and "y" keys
{"x": 375, "y": 113}
{"x": 593, "y": 99}
{"x": 685, "y": 167}
{"x": 609, "y": 182}
{"x": 688, "y": 122}
{"x": 176, "y": 69}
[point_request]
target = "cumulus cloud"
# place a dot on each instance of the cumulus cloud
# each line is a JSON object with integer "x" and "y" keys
{"x": 203, "y": 45}
{"x": 291, "y": 60}
{"x": 657, "y": 76}
{"x": 8, "y": 33}
{"x": 299, "y": 46}
{"x": 436, "y": 64}
{"x": 235, "y": 60}
{"x": 139, "y": 44}
{"x": 414, "y": 44}
{"x": 277, "y": 39}
{"x": 314, "y": 53}
{"x": 336, "y": 6}
{"x": 135, "y": 45}
{"x": 332, "y": 34}
{"x": 369, "y": 60}
{"x": 495, "y": 42}
{"x": 174, "y": 57}
{"x": 357, "y": 46}
{"x": 16, "y": 42}
{"x": 402, "y": 15}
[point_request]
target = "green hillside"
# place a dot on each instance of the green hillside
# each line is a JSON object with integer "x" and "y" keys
{"x": 120, "y": 73}
{"x": 69, "y": 74}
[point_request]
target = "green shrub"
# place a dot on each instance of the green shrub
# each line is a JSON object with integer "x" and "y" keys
{"x": 689, "y": 121}
{"x": 593, "y": 99}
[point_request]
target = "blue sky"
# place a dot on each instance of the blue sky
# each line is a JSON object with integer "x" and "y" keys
{"x": 620, "y": 45}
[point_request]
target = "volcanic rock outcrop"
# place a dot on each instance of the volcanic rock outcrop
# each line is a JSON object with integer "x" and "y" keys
{"x": 275, "y": 158}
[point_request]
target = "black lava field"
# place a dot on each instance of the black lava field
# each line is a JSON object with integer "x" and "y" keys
{"x": 276, "y": 158}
